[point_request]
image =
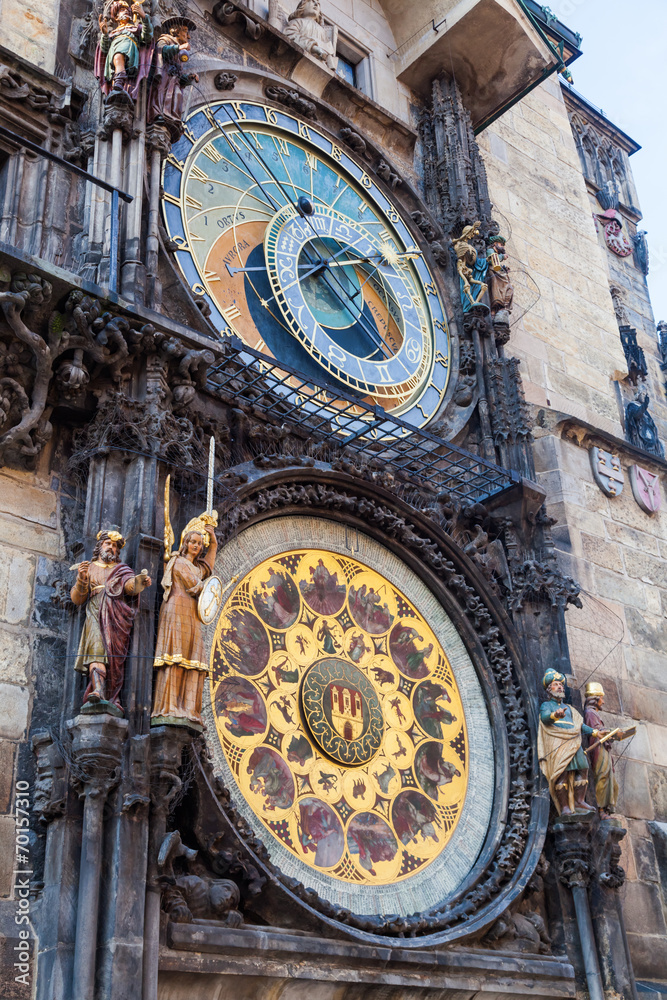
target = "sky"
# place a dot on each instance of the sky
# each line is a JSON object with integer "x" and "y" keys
{"x": 622, "y": 71}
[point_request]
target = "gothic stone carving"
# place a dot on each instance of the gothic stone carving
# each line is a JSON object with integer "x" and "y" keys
{"x": 306, "y": 27}
{"x": 83, "y": 336}
{"x": 50, "y": 791}
{"x": 225, "y": 81}
{"x": 634, "y": 355}
{"x": 292, "y": 99}
{"x": 193, "y": 892}
{"x": 640, "y": 427}
{"x": 228, "y": 13}
{"x": 454, "y": 173}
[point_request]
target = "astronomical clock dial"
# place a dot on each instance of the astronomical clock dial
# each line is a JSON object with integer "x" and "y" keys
{"x": 301, "y": 255}
{"x": 343, "y": 727}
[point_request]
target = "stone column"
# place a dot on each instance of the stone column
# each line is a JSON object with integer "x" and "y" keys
{"x": 572, "y": 840}
{"x": 97, "y": 745}
{"x": 117, "y": 128}
{"x": 606, "y": 912}
{"x": 167, "y": 743}
{"x": 50, "y": 804}
{"x": 158, "y": 142}
{"x": 132, "y": 268}
{"x": 121, "y": 926}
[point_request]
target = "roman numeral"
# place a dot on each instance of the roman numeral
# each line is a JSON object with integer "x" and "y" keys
{"x": 231, "y": 312}
{"x": 175, "y": 162}
{"x": 171, "y": 199}
{"x": 192, "y": 202}
{"x": 282, "y": 145}
{"x": 311, "y": 160}
{"x": 198, "y": 174}
{"x": 256, "y": 139}
{"x": 211, "y": 276}
{"x": 212, "y": 153}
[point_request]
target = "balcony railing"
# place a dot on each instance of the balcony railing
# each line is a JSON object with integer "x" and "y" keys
{"x": 328, "y": 416}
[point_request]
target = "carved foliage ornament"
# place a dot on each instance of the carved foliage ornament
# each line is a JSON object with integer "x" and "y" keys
{"x": 45, "y": 355}
{"x": 497, "y": 874}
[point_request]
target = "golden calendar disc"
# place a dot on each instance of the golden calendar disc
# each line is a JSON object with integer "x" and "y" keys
{"x": 339, "y": 716}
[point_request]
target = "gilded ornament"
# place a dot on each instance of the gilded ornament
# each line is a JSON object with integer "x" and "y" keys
{"x": 339, "y": 716}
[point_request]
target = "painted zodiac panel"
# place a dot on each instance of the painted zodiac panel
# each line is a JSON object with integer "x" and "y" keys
{"x": 339, "y": 716}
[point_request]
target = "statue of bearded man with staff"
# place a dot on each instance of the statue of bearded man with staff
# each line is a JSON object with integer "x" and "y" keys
{"x": 125, "y": 48}
{"x": 562, "y": 759}
{"x": 110, "y": 590}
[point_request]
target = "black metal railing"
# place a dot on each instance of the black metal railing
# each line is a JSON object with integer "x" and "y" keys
{"x": 116, "y": 194}
{"x": 328, "y": 415}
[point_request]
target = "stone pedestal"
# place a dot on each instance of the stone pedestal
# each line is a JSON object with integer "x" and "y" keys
{"x": 97, "y": 745}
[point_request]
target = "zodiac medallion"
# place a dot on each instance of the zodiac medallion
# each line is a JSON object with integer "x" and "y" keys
{"x": 339, "y": 716}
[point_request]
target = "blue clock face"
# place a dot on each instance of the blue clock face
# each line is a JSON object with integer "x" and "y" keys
{"x": 301, "y": 254}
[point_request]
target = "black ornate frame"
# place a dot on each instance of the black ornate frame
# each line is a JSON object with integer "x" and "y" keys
{"x": 515, "y": 838}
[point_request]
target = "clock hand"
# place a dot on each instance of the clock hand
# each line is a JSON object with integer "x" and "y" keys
{"x": 325, "y": 263}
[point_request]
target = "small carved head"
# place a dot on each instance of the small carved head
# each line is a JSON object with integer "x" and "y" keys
{"x": 308, "y": 8}
{"x": 109, "y": 543}
{"x": 193, "y": 546}
{"x": 120, "y": 11}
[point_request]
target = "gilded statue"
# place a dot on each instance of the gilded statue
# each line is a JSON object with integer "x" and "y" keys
{"x": 599, "y": 751}
{"x": 305, "y": 26}
{"x": 125, "y": 48}
{"x": 180, "y": 661}
{"x": 561, "y": 755}
{"x": 471, "y": 267}
{"x": 170, "y": 76}
{"x": 110, "y": 591}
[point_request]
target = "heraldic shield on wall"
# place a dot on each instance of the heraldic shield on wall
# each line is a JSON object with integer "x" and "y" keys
{"x": 351, "y": 727}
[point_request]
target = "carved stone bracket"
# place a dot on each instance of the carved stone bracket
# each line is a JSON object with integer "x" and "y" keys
{"x": 50, "y": 792}
{"x": 97, "y": 747}
{"x": 292, "y": 99}
{"x": 226, "y": 13}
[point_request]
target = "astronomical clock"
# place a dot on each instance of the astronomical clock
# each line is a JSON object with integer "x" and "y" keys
{"x": 347, "y": 719}
{"x": 351, "y": 713}
{"x": 300, "y": 253}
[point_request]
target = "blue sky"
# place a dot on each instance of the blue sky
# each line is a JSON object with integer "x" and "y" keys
{"x": 622, "y": 71}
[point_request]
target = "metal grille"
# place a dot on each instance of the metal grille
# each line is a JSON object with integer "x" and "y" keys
{"x": 323, "y": 414}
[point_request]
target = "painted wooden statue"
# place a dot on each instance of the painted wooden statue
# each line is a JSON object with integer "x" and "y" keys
{"x": 180, "y": 662}
{"x": 125, "y": 48}
{"x": 170, "y": 75}
{"x": 599, "y": 751}
{"x": 110, "y": 590}
{"x": 561, "y": 755}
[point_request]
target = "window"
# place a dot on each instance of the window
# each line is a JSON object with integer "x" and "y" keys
{"x": 354, "y": 65}
{"x": 347, "y": 70}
